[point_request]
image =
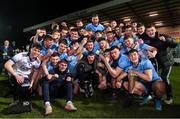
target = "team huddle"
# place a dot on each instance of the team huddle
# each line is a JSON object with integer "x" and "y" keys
{"x": 83, "y": 59}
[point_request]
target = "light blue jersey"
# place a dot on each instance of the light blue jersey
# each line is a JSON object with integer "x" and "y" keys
{"x": 141, "y": 48}
{"x": 123, "y": 62}
{"x": 72, "y": 61}
{"x": 114, "y": 43}
{"x": 68, "y": 39}
{"x": 96, "y": 45}
{"x": 145, "y": 64}
{"x": 50, "y": 67}
{"x": 94, "y": 28}
{"x": 63, "y": 55}
{"x": 44, "y": 50}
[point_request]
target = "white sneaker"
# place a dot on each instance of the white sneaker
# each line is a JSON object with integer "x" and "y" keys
{"x": 70, "y": 107}
{"x": 168, "y": 101}
{"x": 14, "y": 103}
{"x": 145, "y": 100}
{"x": 81, "y": 90}
{"x": 48, "y": 109}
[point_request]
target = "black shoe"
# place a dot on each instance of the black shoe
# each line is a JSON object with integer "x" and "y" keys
{"x": 18, "y": 108}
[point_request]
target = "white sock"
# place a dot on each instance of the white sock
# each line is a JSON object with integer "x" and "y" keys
{"x": 68, "y": 102}
{"x": 47, "y": 103}
{"x": 25, "y": 103}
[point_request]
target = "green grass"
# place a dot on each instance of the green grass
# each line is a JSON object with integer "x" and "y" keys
{"x": 99, "y": 105}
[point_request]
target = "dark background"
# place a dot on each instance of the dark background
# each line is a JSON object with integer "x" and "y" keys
{"x": 18, "y": 14}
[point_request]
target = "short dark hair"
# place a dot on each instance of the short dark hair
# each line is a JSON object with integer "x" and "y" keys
{"x": 127, "y": 37}
{"x": 107, "y": 50}
{"x": 110, "y": 32}
{"x": 63, "y": 41}
{"x": 150, "y": 25}
{"x": 140, "y": 25}
{"x": 95, "y": 15}
{"x": 63, "y": 61}
{"x": 54, "y": 31}
{"x": 132, "y": 51}
{"x": 91, "y": 53}
{"x": 55, "y": 54}
{"x": 48, "y": 37}
{"x": 101, "y": 39}
{"x": 42, "y": 28}
{"x": 73, "y": 42}
{"x": 37, "y": 45}
{"x": 90, "y": 41}
{"x": 79, "y": 20}
{"x": 128, "y": 26}
{"x": 74, "y": 30}
{"x": 114, "y": 47}
{"x": 98, "y": 31}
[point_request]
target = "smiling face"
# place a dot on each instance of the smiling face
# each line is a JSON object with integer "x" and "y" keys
{"x": 110, "y": 37}
{"x": 90, "y": 46}
{"x": 74, "y": 35}
{"x": 103, "y": 44}
{"x": 113, "y": 24}
{"x": 151, "y": 32}
{"x": 129, "y": 42}
{"x": 63, "y": 33}
{"x": 41, "y": 32}
{"x": 129, "y": 30}
{"x": 74, "y": 46}
{"x": 62, "y": 66}
{"x": 79, "y": 23}
{"x": 141, "y": 30}
{"x": 98, "y": 35}
{"x": 62, "y": 48}
{"x": 35, "y": 52}
{"x": 115, "y": 54}
{"x": 48, "y": 42}
{"x": 134, "y": 57}
{"x": 55, "y": 60}
{"x": 56, "y": 36}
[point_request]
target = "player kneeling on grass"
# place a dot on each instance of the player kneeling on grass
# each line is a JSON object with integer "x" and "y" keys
{"x": 57, "y": 78}
{"x": 142, "y": 79}
{"x": 20, "y": 67}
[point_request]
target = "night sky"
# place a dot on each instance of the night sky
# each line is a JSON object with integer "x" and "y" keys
{"x": 18, "y": 14}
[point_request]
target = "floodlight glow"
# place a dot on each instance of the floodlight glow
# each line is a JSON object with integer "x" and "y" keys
{"x": 126, "y": 19}
{"x": 159, "y": 23}
{"x": 152, "y": 14}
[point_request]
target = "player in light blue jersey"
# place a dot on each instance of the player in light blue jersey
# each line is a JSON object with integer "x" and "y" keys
{"x": 95, "y": 25}
{"x": 62, "y": 49}
{"x": 119, "y": 67}
{"x": 144, "y": 50}
{"x": 142, "y": 78}
{"x": 112, "y": 39}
